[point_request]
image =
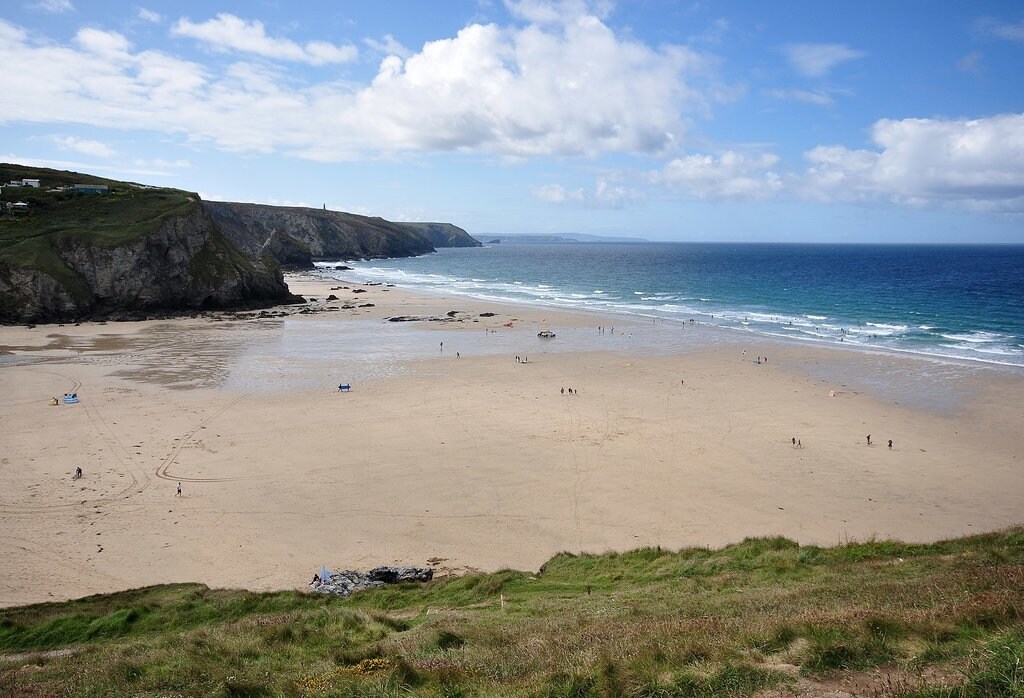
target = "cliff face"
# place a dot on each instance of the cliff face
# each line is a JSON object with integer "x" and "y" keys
{"x": 329, "y": 234}
{"x": 444, "y": 234}
{"x": 138, "y": 250}
{"x": 185, "y": 264}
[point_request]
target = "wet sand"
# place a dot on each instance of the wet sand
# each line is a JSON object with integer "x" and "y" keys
{"x": 676, "y": 437}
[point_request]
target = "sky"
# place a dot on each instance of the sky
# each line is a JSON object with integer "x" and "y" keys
{"x": 708, "y": 120}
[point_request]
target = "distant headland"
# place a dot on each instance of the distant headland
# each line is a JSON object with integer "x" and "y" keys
{"x": 527, "y": 238}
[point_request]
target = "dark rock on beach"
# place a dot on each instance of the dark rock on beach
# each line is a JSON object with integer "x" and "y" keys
{"x": 346, "y": 582}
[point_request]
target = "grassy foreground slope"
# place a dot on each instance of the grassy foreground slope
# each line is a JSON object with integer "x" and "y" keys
{"x": 763, "y": 617}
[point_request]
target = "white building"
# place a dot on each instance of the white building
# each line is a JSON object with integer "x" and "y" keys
{"x": 30, "y": 183}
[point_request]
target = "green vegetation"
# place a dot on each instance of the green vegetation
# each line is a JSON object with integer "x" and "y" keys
{"x": 763, "y": 615}
{"x": 56, "y": 220}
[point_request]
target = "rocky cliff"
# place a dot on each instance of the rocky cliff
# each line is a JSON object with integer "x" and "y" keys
{"x": 444, "y": 234}
{"x": 135, "y": 250}
{"x": 285, "y": 231}
{"x": 185, "y": 264}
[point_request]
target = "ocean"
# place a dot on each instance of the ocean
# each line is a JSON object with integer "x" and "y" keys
{"x": 957, "y": 302}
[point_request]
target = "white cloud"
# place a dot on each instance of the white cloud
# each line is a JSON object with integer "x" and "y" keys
{"x": 557, "y": 194}
{"x": 55, "y": 7}
{"x": 976, "y": 163}
{"x": 605, "y": 194}
{"x": 230, "y": 33}
{"x": 612, "y": 195}
{"x": 817, "y": 60}
{"x": 150, "y": 16}
{"x": 1010, "y": 31}
{"x": 103, "y": 43}
{"x": 557, "y": 11}
{"x": 573, "y": 89}
{"x": 821, "y": 98}
{"x": 971, "y": 63}
{"x": 388, "y": 46}
{"x": 115, "y": 170}
{"x": 85, "y": 146}
{"x": 732, "y": 175}
{"x": 162, "y": 164}
{"x": 43, "y": 162}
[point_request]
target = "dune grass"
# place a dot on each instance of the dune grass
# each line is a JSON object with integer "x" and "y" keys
{"x": 764, "y": 616}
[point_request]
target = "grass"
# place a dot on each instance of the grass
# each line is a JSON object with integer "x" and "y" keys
{"x": 761, "y": 615}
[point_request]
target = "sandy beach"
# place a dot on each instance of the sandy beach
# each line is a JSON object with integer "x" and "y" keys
{"x": 450, "y": 451}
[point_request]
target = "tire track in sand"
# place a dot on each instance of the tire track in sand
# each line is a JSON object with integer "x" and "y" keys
{"x": 122, "y": 455}
{"x": 163, "y": 470}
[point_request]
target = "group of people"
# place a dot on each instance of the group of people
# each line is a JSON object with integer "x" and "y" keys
{"x": 572, "y": 391}
{"x": 521, "y": 360}
{"x": 868, "y": 437}
{"x": 797, "y": 444}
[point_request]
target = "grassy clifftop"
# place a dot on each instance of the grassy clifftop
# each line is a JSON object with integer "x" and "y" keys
{"x": 764, "y": 617}
{"x": 57, "y": 218}
{"x": 124, "y": 253}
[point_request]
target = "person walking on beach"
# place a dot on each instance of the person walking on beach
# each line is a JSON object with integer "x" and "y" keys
{"x": 869, "y": 439}
{"x": 794, "y": 442}
{"x": 178, "y": 493}
{"x": 799, "y": 444}
{"x": 78, "y": 470}
{"x": 890, "y": 444}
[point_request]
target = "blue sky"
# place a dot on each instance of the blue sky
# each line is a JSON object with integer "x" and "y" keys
{"x": 706, "y": 120}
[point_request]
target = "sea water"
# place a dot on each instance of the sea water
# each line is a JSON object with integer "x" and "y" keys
{"x": 955, "y": 302}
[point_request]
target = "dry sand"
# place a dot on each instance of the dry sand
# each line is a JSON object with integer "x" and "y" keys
{"x": 475, "y": 462}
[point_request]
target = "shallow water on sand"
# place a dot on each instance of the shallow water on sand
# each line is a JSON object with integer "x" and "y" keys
{"x": 319, "y": 354}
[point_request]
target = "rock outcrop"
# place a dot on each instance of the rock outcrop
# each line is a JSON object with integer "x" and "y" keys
{"x": 186, "y": 264}
{"x": 348, "y": 582}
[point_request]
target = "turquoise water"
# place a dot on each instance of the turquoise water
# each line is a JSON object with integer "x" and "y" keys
{"x": 956, "y": 302}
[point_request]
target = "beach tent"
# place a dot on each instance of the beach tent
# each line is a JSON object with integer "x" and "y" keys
{"x": 70, "y": 399}
{"x": 325, "y": 573}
